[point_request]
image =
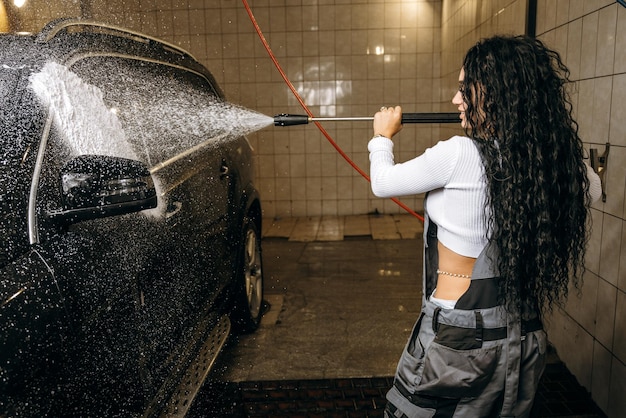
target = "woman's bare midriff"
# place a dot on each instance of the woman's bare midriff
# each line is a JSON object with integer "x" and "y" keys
{"x": 450, "y": 287}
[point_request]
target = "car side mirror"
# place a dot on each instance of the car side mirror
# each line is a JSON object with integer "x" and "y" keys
{"x": 97, "y": 186}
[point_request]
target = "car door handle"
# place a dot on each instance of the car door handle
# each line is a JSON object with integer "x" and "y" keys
{"x": 224, "y": 170}
{"x": 172, "y": 209}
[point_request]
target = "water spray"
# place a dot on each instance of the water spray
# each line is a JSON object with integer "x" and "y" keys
{"x": 286, "y": 119}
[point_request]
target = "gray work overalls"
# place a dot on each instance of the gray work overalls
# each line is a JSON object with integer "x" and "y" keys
{"x": 475, "y": 360}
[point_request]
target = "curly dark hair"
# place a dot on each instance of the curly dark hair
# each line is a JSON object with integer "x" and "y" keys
{"x": 520, "y": 116}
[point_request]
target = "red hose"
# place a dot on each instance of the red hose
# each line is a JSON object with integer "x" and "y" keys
{"x": 306, "y": 109}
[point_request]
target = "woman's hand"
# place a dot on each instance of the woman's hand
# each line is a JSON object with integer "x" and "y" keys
{"x": 388, "y": 121}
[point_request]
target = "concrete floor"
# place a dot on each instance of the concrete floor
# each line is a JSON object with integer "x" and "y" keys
{"x": 344, "y": 295}
{"x": 338, "y": 308}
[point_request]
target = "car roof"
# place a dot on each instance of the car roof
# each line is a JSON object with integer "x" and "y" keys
{"x": 64, "y": 40}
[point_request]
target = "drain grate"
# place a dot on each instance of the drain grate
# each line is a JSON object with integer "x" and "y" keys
{"x": 559, "y": 395}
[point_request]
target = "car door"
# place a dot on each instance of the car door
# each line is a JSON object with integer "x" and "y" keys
{"x": 151, "y": 277}
{"x": 32, "y": 316}
{"x": 161, "y": 109}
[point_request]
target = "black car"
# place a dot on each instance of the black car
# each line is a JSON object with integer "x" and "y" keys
{"x": 130, "y": 224}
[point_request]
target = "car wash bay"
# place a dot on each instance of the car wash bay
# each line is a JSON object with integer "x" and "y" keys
{"x": 343, "y": 294}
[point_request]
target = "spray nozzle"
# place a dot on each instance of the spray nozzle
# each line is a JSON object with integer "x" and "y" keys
{"x": 285, "y": 119}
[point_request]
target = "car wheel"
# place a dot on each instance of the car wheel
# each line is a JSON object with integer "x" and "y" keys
{"x": 247, "y": 311}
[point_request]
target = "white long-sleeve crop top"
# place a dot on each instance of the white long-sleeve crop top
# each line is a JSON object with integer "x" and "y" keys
{"x": 453, "y": 173}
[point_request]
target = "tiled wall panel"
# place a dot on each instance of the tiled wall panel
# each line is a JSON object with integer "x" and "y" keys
{"x": 589, "y": 35}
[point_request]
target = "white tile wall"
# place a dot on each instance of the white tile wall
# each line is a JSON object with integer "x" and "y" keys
{"x": 600, "y": 375}
{"x": 617, "y": 388}
{"x": 595, "y": 51}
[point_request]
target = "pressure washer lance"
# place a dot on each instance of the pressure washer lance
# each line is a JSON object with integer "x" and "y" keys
{"x": 285, "y": 119}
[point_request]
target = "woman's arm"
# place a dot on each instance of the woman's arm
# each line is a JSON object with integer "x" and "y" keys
{"x": 595, "y": 185}
{"x": 429, "y": 171}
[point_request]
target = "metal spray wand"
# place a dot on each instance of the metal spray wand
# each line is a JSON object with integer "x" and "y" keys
{"x": 286, "y": 119}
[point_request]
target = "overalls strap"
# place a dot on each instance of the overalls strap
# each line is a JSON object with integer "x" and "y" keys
{"x": 481, "y": 297}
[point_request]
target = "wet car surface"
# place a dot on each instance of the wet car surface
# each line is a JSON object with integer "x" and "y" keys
{"x": 130, "y": 221}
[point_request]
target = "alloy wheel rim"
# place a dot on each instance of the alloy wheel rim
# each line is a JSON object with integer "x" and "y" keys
{"x": 254, "y": 277}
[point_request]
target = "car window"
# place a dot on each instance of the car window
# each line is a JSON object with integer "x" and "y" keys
{"x": 123, "y": 107}
{"x": 159, "y": 106}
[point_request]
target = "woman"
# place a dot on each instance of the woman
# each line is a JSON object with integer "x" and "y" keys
{"x": 506, "y": 228}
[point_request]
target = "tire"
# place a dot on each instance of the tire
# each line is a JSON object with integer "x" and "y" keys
{"x": 248, "y": 306}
